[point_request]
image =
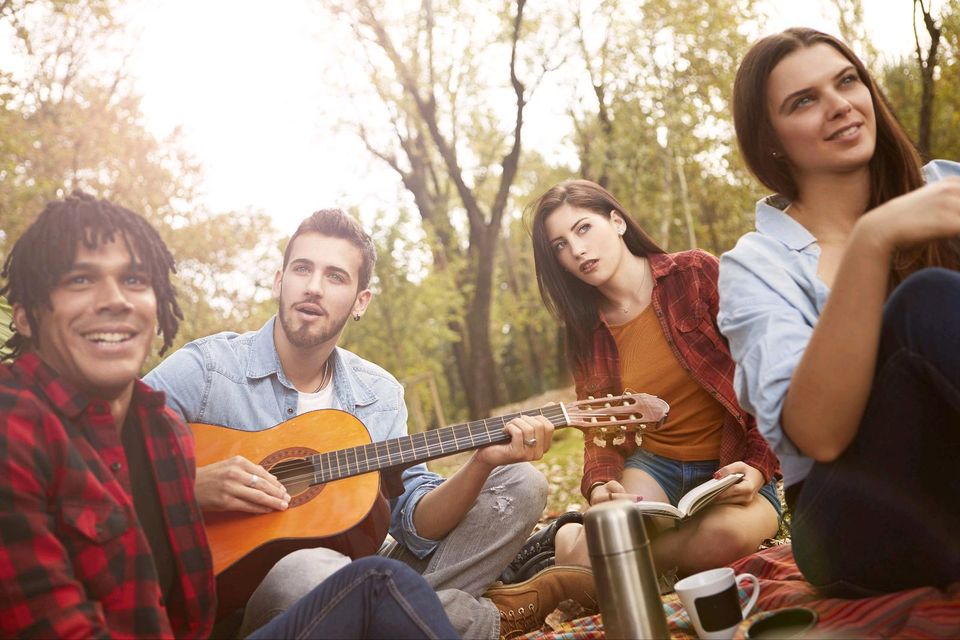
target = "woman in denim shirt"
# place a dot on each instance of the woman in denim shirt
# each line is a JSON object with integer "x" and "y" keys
{"x": 637, "y": 317}
{"x": 844, "y": 325}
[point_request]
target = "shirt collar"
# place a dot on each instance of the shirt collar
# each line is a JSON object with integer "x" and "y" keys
{"x": 774, "y": 222}
{"x": 264, "y": 360}
{"x": 67, "y": 398}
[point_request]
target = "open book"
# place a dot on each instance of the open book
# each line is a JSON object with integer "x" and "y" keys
{"x": 694, "y": 500}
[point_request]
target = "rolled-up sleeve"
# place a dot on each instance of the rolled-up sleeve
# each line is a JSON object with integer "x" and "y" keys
{"x": 418, "y": 481}
{"x": 765, "y": 315}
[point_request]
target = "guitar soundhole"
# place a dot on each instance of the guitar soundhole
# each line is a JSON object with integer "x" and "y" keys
{"x": 295, "y": 473}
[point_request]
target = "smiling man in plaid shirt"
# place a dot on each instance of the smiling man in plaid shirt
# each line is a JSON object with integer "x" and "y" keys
{"x": 87, "y": 450}
{"x": 100, "y": 532}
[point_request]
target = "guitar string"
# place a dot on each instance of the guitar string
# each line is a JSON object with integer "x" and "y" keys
{"x": 460, "y": 441}
{"x": 334, "y": 469}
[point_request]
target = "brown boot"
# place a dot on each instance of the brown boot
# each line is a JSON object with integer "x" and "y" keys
{"x": 524, "y": 606}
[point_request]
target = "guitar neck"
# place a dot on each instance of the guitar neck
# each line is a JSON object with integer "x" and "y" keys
{"x": 420, "y": 447}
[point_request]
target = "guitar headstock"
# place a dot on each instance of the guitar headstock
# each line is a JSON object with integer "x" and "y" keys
{"x": 612, "y": 418}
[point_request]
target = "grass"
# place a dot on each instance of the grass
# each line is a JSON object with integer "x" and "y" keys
{"x": 563, "y": 468}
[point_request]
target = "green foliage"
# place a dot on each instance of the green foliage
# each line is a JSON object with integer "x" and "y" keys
{"x": 658, "y": 133}
{"x": 901, "y": 82}
{"x": 66, "y": 124}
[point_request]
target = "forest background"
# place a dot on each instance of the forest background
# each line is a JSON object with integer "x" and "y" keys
{"x": 457, "y": 316}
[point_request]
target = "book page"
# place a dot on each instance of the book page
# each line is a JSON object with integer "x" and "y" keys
{"x": 651, "y": 508}
{"x": 701, "y": 495}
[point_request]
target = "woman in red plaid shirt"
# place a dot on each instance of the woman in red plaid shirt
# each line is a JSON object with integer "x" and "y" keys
{"x": 638, "y": 318}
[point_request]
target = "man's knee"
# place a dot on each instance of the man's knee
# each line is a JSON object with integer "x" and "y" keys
{"x": 516, "y": 490}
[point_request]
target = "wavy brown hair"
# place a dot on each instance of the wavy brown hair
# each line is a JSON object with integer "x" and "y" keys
{"x": 895, "y": 167}
{"x": 568, "y": 298}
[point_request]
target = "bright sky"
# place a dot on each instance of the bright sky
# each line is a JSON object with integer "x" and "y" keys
{"x": 253, "y": 86}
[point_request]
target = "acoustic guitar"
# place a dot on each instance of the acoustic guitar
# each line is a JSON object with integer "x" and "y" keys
{"x": 329, "y": 466}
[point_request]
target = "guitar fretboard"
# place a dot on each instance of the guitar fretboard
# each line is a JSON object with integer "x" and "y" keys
{"x": 420, "y": 447}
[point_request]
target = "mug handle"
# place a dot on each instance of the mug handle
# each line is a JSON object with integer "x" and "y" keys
{"x": 753, "y": 596}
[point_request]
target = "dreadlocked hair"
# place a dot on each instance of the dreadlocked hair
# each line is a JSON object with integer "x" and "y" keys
{"x": 47, "y": 250}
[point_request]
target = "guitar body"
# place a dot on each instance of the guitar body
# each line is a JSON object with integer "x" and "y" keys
{"x": 348, "y": 515}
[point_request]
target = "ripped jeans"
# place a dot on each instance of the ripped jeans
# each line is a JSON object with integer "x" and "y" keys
{"x": 885, "y": 515}
{"x": 469, "y": 559}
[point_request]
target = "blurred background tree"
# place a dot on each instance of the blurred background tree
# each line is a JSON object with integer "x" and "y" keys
{"x": 68, "y": 121}
{"x": 448, "y": 89}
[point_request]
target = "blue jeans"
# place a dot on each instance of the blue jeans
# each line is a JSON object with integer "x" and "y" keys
{"x": 677, "y": 477}
{"x": 371, "y": 598}
{"x": 885, "y": 515}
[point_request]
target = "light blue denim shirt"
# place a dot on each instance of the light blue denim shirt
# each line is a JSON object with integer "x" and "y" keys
{"x": 770, "y": 300}
{"x": 236, "y": 380}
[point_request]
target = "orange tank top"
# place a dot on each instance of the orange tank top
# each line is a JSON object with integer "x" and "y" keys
{"x": 648, "y": 364}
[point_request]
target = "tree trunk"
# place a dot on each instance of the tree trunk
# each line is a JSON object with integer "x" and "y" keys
{"x": 927, "y": 67}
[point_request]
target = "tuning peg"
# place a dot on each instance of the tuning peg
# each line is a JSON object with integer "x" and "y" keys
{"x": 633, "y": 416}
{"x": 609, "y": 395}
{"x": 593, "y": 419}
{"x": 590, "y": 398}
{"x": 602, "y": 429}
{"x": 619, "y": 439}
{"x": 613, "y": 418}
{"x": 608, "y": 405}
{"x": 600, "y": 442}
{"x": 638, "y": 437}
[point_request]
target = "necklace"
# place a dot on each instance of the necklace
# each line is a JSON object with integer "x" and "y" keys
{"x": 625, "y": 308}
{"x": 323, "y": 379}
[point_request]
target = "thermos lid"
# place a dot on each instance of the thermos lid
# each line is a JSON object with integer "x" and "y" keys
{"x": 614, "y": 527}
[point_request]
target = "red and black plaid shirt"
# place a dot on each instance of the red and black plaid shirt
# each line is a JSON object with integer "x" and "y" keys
{"x": 74, "y": 561}
{"x": 686, "y": 301}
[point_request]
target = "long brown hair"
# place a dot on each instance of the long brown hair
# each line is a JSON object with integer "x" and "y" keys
{"x": 572, "y": 301}
{"x": 895, "y": 167}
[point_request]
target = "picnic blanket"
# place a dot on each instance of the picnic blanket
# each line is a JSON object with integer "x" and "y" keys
{"x": 917, "y": 613}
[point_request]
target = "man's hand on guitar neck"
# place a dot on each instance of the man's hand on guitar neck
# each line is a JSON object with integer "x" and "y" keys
{"x": 442, "y": 509}
{"x": 236, "y": 484}
{"x": 530, "y": 438}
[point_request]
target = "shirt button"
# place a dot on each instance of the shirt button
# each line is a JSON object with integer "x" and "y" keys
{"x": 116, "y": 466}
{"x": 289, "y": 410}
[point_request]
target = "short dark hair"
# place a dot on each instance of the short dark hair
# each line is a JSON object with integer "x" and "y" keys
{"x": 334, "y": 223}
{"x": 48, "y": 249}
{"x": 568, "y": 298}
{"x": 895, "y": 168}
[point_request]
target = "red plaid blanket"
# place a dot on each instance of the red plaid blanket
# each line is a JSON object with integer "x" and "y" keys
{"x": 917, "y": 613}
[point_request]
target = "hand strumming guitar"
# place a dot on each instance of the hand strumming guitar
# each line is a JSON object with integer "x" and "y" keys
{"x": 236, "y": 484}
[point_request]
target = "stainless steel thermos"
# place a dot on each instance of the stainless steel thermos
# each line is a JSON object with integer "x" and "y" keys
{"x": 624, "y": 573}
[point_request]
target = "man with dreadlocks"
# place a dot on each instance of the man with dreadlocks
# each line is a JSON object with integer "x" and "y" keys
{"x": 100, "y": 531}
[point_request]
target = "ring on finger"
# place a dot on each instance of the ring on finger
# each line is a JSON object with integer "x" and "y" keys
{"x": 253, "y": 480}
{"x": 530, "y": 442}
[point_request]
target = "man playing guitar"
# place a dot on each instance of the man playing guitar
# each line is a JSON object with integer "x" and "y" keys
{"x": 459, "y": 532}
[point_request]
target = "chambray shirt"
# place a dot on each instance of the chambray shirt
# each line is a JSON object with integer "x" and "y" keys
{"x": 236, "y": 380}
{"x": 770, "y": 300}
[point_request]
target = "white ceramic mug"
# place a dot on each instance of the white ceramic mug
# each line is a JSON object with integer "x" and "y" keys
{"x": 712, "y": 601}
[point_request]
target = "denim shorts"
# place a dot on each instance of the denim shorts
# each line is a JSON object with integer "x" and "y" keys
{"x": 677, "y": 477}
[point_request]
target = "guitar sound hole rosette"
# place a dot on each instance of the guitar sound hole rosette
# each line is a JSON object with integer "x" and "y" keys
{"x": 294, "y": 454}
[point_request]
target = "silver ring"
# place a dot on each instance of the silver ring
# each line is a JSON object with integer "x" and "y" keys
{"x": 253, "y": 480}
{"x": 530, "y": 442}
